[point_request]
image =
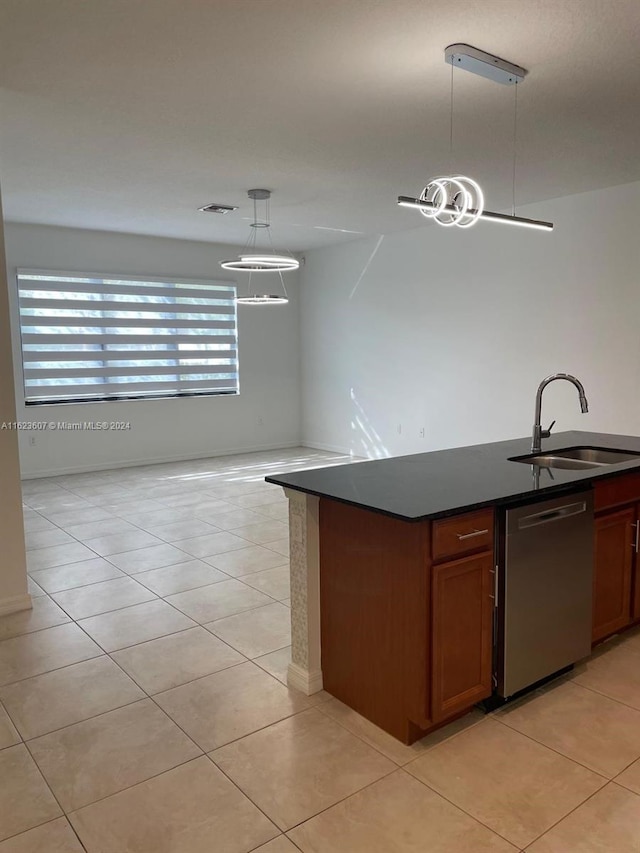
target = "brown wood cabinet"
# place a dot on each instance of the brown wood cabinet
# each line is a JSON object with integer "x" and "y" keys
{"x": 614, "y": 563}
{"x": 616, "y": 582}
{"x": 635, "y": 584}
{"x": 462, "y": 534}
{"x": 405, "y": 640}
{"x": 462, "y": 628}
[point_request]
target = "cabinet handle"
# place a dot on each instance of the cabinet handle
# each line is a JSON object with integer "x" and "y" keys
{"x": 636, "y": 543}
{"x": 462, "y": 536}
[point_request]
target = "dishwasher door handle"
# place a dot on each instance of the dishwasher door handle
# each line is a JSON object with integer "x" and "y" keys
{"x": 547, "y": 516}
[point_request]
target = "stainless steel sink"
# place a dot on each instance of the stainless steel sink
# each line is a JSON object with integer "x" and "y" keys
{"x": 578, "y": 458}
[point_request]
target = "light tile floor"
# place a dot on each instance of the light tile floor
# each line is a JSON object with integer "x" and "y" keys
{"x": 144, "y": 706}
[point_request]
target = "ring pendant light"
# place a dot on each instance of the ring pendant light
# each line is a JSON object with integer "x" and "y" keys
{"x": 252, "y": 260}
{"x": 458, "y": 200}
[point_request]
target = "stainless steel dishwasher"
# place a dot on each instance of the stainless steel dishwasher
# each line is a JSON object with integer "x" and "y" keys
{"x": 545, "y": 590}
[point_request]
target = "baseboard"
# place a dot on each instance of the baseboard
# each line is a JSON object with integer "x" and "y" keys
{"x": 15, "y": 604}
{"x": 303, "y": 680}
{"x": 331, "y": 448}
{"x": 154, "y": 460}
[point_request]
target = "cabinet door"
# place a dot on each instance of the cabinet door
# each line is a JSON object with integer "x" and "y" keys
{"x": 462, "y": 621}
{"x": 635, "y": 587}
{"x": 614, "y": 553}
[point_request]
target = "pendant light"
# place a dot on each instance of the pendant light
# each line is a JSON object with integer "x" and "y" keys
{"x": 458, "y": 200}
{"x": 254, "y": 260}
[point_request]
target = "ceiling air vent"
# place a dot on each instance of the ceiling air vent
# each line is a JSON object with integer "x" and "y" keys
{"x": 218, "y": 208}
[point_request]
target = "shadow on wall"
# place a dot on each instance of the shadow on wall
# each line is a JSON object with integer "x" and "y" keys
{"x": 367, "y": 265}
{"x": 365, "y": 441}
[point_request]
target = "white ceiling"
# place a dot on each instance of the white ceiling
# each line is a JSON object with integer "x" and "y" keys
{"x": 128, "y": 115}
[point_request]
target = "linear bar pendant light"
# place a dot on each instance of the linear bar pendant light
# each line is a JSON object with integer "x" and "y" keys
{"x": 487, "y": 215}
{"x": 458, "y": 200}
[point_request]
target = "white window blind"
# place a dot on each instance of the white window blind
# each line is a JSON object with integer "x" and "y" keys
{"x": 90, "y": 337}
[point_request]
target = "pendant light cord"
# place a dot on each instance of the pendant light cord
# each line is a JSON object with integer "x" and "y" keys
{"x": 451, "y": 123}
{"x": 279, "y": 272}
{"x": 515, "y": 141}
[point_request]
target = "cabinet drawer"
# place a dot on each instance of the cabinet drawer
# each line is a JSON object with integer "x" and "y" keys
{"x": 462, "y": 534}
{"x": 616, "y": 491}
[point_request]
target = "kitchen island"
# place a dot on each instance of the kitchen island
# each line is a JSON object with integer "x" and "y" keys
{"x": 394, "y": 572}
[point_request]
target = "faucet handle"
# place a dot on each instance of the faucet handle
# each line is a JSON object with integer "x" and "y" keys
{"x": 545, "y": 433}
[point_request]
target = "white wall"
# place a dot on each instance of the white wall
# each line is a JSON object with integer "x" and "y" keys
{"x": 453, "y": 331}
{"x": 13, "y": 570}
{"x": 266, "y": 413}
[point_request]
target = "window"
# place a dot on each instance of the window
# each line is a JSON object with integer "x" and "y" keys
{"x": 91, "y": 337}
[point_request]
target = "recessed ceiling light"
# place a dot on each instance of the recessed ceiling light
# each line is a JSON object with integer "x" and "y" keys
{"x": 217, "y": 208}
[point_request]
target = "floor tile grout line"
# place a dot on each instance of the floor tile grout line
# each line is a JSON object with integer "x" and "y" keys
{"x": 264, "y": 728}
{"x": 184, "y": 683}
{"x": 355, "y": 734}
{"x": 65, "y": 621}
{"x": 78, "y": 619}
{"x": 67, "y": 814}
{"x": 190, "y": 559}
{"x": 262, "y": 654}
{"x": 60, "y": 565}
{"x": 38, "y": 826}
{"x": 342, "y": 800}
{"x": 321, "y": 705}
{"x": 287, "y": 716}
{"x": 44, "y": 779}
{"x": 108, "y": 651}
{"x": 282, "y": 835}
{"x": 623, "y": 788}
{"x": 255, "y": 660}
{"x": 556, "y": 751}
{"x": 55, "y": 668}
{"x": 228, "y": 616}
{"x": 118, "y": 707}
{"x": 575, "y": 809}
{"x": 244, "y": 794}
{"x": 464, "y": 811}
{"x": 624, "y": 770}
{"x": 202, "y": 586}
{"x": 173, "y": 545}
{"x": 79, "y": 586}
{"x": 607, "y": 696}
{"x": 75, "y": 832}
{"x": 208, "y": 675}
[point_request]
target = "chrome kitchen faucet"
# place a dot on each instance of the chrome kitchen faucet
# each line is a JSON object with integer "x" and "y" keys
{"x": 538, "y": 432}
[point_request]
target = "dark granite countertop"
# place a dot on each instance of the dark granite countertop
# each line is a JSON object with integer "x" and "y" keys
{"x": 446, "y": 482}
